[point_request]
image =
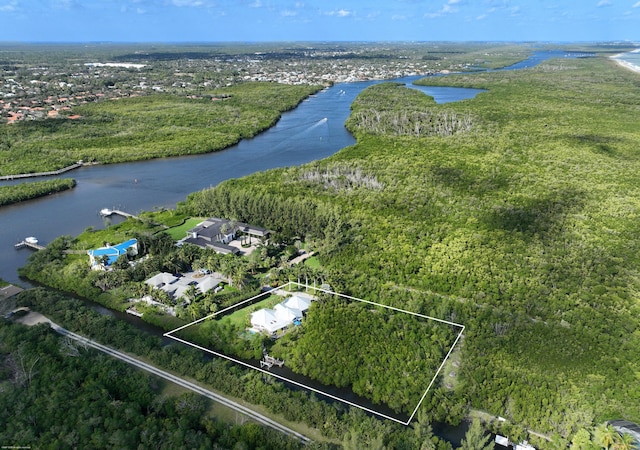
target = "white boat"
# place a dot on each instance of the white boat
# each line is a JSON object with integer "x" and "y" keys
{"x": 31, "y": 240}
{"x": 105, "y": 212}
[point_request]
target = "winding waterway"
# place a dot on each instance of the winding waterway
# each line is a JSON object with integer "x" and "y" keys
{"x": 314, "y": 130}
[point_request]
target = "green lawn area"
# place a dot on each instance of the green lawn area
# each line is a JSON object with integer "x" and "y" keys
{"x": 180, "y": 231}
{"x": 313, "y": 262}
{"x": 240, "y": 318}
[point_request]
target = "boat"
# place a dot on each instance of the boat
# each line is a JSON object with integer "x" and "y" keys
{"x": 105, "y": 212}
{"x": 31, "y": 240}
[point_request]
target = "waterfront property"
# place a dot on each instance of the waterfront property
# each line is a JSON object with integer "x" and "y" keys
{"x": 101, "y": 258}
{"x": 281, "y": 316}
{"x": 178, "y": 286}
{"x": 218, "y": 233}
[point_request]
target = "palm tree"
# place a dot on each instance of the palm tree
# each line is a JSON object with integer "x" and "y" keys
{"x": 192, "y": 293}
{"x": 606, "y": 436}
{"x": 625, "y": 442}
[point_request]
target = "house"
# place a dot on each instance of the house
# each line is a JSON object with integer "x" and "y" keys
{"x": 103, "y": 257}
{"x": 217, "y": 233}
{"x": 177, "y": 287}
{"x": 287, "y": 314}
{"x": 252, "y": 230}
{"x": 281, "y": 316}
{"x": 268, "y": 320}
{"x": 298, "y": 303}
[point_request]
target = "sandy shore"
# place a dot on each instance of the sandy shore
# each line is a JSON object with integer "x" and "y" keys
{"x": 626, "y": 64}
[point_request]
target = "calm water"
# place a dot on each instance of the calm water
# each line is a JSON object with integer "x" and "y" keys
{"x": 314, "y": 130}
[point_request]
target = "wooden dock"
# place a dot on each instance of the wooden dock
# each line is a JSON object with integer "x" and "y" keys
{"x": 270, "y": 361}
{"x": 42, "y": 174}
{"x": 25, "y": 244}
{"x": 116, "y": 212}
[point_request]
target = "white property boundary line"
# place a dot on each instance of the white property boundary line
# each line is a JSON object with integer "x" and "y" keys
{"x": 242, "y": 363}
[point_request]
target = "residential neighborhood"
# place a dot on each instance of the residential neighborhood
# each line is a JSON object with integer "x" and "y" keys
{"x": 53, "y": 89}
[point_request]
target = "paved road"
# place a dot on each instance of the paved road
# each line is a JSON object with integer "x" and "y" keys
{"x": 264, "y": 420}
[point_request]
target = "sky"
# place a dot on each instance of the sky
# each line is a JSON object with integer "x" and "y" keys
{"x": 318, "y": 20}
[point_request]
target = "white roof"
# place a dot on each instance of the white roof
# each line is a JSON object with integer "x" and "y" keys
{"x": 288, "y": 314}
{"x": 160, "y": 279}
{"x": 268, "y": 320}
{"x": 299, "y": 303}
{"x": 208, "y": 283}
{"x": 524, "y": 445}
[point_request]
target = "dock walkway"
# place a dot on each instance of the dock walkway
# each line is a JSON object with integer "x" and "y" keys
{"x": 109, "y": 212}
{"x": 270, "y": 361}
{"x": 25, "y": 244}
{"x": 42, "y": 174}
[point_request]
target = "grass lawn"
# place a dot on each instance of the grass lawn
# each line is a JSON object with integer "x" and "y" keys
{"x": 180, "y": 231}
{"x": 313, "y": 262}
{"x": 240, "y": 318}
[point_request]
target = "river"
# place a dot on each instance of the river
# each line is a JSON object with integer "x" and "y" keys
{"x": 312, "y": 131}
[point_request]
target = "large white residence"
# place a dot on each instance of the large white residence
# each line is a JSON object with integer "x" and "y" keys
{"x": 281, "y": 316}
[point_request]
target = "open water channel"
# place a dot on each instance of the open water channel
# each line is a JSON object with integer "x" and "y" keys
{"x": 312, "y": 131}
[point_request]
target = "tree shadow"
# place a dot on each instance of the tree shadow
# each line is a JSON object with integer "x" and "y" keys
{"x": 535, "y": 216}
{"x": 603, "y": 145}
{"x": 461, "y": 180}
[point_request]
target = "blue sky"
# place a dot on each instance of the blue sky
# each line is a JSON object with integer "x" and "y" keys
{"x": 324, "y": 20}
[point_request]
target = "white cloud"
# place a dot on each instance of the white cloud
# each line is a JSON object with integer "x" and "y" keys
{"x": 481, "y": 17}
{"x": 602, "y": 3}
{"x": 636, "y": 5}
{"x": 191, "y": 3}
{"x": 256, "y": 4}
{"x": 9, "y": 6}
{"x": 447, "y": 8}
{"x": 398, "y": 17}
{"x": 340, "y": 13}
{"x": 288, "y": 13}
{"x": 63, "y": 4}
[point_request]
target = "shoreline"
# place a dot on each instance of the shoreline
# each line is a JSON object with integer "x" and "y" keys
{"x": 627, "y": 65}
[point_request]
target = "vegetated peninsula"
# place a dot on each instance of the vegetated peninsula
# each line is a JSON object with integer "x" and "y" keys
{"x": 148, "y": 127}
{"x": 513, "y": 213}
{"x": 27, "y": 191}
{"x": 522, "y": 226}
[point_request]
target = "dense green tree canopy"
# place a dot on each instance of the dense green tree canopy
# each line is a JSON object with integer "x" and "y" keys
{"x": 524, "y": 228}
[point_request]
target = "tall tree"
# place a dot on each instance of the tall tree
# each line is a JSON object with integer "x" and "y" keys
{"x": 475, "y": 439}
{"x": 605, "y": 436}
